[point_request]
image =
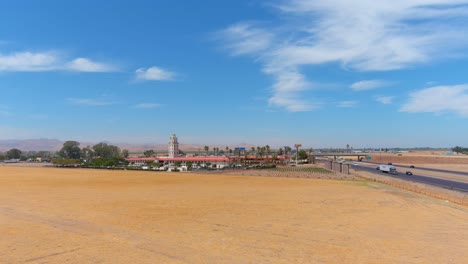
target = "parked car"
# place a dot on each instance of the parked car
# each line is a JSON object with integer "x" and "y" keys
{"x": 389, "y": 163}
{"x": 409, "y": 173}
{"x": 412, "y": 166}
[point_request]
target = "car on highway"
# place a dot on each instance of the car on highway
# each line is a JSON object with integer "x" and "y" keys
{"x": 412, "y": 166}
{"x": 389, "y": 163}
{"x": 409, "y": 173}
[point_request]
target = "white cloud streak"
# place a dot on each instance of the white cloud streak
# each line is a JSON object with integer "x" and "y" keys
{"x": 148, "y": 105}
{"x": 362, "y": 35}
{"x": 385, "y": 99}
{"x": 439, "y": 99}
{"x": 368, "y": 85}
{"x": 88, "y": 102}
{"x": 49, "y": 61}
{"x": 347, "y": 104}
{"x": 154, "y": 74}
{"x": 87, "y": 65}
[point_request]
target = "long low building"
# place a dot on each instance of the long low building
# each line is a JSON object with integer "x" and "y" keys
{"x": 212, "y": 161}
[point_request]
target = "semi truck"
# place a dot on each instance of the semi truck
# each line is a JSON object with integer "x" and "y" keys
{"x": 388, "y": 169}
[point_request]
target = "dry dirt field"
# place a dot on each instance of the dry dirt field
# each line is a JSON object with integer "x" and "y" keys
{"x": 52, "y": 215}
{"x": 421, "y": 157}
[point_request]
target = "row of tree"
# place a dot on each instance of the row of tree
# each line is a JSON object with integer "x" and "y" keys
{"x": 256, "y": 151}
{"x": 72, "y": 150}
{"x": 459, "y": 149}
{"x": 25, "y": 155}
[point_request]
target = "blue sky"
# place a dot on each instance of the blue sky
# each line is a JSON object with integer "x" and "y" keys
{"x": 321, "y": 73}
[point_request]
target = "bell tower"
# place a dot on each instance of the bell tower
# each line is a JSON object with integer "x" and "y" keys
{"x": 173, "y": 147}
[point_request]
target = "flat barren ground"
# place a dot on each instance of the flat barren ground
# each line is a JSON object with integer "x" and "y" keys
{"x": 97, "y": 216}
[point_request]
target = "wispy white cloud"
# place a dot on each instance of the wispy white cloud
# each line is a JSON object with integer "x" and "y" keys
{"x": 49, "y": 61}
{"x": 362, "y": 35}
{"x": 439, "y": 99}
{"x": 368, "y": 85}
{"x": 87, "y": 65}
{"x": 154, "y": 74}
{"x": 385, "y": 99}
{"x": 347, "y": 104}
{"x": 148, "y": 105}
{"x": 88, "y": 102}
{"x": 29, "y": 61}
{"x": 243, "y": 38}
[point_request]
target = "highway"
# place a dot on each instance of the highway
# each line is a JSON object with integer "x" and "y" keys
{"x": 421, "y": 168}
{"x": 453, "y": 185}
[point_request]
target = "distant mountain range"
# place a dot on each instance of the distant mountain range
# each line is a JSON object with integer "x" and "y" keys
{"x": 45, "y": 144}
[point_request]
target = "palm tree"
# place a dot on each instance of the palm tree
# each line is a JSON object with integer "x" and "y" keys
{"x": 297, "y": 146}
{"x": 286, "y": 151}
{"x": 262, "y": 151}
{"x": 206, "y": 149}
{"x": 267, "y": 151}
{"x": 280, "y": 151}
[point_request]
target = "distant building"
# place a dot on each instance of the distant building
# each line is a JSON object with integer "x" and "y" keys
{"x": 204, "y": 161}
{"x": 173, "y": 147}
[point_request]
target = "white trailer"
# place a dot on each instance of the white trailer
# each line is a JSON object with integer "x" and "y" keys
{"x": 388, "y": 169}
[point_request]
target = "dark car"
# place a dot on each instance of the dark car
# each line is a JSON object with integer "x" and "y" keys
{"x": 409, "y": 173}
{"x": 389, "y": 163}
{"x": 378, "y": 168}
{"x": 412, "y": 166}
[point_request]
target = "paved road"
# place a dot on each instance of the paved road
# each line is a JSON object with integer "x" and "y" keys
{"x": 435, "y": 170}
{"x": 454, "y": 185}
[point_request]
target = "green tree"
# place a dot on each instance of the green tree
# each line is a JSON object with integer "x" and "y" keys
{"x": 87, "y": 153}
{"x": 287, "y": 150}
{"x": 302, "y": 154}
{"x": 149, "y": 153}
{"x": 103, "y": 150}
{"x": 189, "y": 165}
{"x": 70, "y": 150}
{"x": 13, "y": 154}
{"x": 280, "y": 152}
{"x": 458, "y": 149}
{"x": 207, "y": 149}
{"x": 125, "y": 153}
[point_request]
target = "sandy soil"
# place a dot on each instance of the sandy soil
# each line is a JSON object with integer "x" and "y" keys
{"x": 89, "y": 216}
